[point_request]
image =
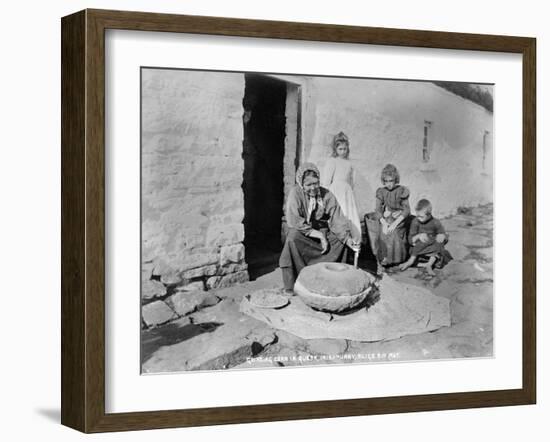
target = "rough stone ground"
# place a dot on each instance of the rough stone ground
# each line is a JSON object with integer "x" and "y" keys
{"x": 220, "y": 337}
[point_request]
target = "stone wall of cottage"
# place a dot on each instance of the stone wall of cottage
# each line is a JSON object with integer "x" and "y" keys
{"x": 192, "y": 171}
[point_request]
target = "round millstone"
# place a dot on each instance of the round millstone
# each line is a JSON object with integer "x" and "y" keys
{"x": 333, "y": 287}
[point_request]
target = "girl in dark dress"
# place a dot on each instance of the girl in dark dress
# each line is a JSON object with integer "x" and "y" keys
{"x": 318, "y": 231}
{"x": 392, "y": 209}
{"x": 427, "y": 238}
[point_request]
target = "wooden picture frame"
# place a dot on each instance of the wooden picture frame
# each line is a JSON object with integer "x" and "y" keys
{"x": 83, "y": 220}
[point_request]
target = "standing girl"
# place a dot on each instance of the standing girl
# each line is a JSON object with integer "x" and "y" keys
{"x": 392, "y": 209}
{"x": 337, "y": 176}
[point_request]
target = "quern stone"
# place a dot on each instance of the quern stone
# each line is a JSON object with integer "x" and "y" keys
{"x": 333, "y": 287}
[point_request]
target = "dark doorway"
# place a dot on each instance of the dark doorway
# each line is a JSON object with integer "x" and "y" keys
{"x": 264, "y": 122}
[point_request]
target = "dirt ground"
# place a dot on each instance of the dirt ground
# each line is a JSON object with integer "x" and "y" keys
{"x": 220, "y": 337}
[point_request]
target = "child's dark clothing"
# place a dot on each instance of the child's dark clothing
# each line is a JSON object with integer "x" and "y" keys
{"x": 431, "y": 227}
{"x": 392, "y": 247}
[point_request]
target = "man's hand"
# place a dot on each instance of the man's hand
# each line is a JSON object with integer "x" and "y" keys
{"x": 441, "y": 237}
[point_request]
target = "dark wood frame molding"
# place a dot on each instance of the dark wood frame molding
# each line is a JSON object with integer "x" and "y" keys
{"x": 83, "y": 217}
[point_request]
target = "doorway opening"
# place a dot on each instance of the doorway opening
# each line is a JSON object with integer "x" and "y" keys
{"x": 269, "y": 154}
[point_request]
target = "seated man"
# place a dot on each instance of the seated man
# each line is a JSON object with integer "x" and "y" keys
{"x": 317, "y": 228}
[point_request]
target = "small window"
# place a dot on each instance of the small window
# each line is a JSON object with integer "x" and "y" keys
{"x": 425, "y": 141}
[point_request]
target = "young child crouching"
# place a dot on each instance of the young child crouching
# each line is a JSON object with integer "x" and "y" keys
{"x": 427, "y": 238}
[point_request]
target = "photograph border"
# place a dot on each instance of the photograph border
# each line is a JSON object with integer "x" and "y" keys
{"x": 83, "y": 219}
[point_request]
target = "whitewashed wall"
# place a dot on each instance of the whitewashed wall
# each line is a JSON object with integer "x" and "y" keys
{"x": 385, "y": 123}
{"x": 192, "y": 169}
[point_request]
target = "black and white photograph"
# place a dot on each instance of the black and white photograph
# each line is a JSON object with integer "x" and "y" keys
{"x": 298, "y": 220}
{"x": 275, "y": 221}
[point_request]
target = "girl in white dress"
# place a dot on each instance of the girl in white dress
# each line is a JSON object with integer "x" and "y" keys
{"x": 337, "y": 176}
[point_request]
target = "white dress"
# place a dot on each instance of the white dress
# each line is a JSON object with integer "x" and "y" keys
{"x": 337, "y": 176}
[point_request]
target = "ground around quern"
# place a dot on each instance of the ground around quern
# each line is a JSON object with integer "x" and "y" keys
{"x": 216, "y": 335}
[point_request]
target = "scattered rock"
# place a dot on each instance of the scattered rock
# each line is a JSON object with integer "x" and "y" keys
{"x": 151, "y": 289}
{"x": 232, "y": 268}
{"x": 464, "y": 211}
{"x": 212, "y": 282}
{"x": 200, "y": 271}
{"x": 232, "y": 254}
{"x": 481, "y": 211}
{"x": 170, "y": 279}
{"x": 157, "y": 313}
{"x": 146, "y": 271}
{"x": 191, "y": 286}
{"x": 184, "y": 303}
{"x": 209, "y": 300}
{"x": 227, "y": 280}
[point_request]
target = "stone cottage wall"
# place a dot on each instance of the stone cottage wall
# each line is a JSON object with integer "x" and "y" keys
{"x": 192, "y": 171}
{"x": 385, "y": 123}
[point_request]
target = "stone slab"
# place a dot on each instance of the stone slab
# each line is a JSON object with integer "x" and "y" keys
{"x": 156, "y": 313}
{"x": 184, "y": 303}
{"x": 222, "y": 338}
{"x": 151, "y": 289}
